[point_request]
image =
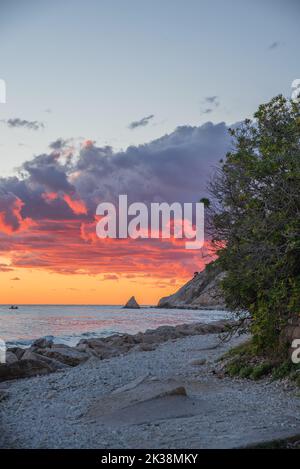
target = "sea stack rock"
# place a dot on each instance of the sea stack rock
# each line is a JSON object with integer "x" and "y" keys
{"x": 132, "y": 303}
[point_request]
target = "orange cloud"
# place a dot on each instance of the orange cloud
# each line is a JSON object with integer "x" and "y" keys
{"x": 49, "y": 196}
{"x": 11, "y": 220}
{"x": 76, "y": 205}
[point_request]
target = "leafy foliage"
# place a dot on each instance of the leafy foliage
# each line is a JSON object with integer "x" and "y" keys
{"x": 255, "y": 220}
{"x": 242, "y": 362}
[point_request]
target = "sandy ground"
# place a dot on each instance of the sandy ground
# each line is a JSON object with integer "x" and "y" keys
{"x": 129, "y": 402}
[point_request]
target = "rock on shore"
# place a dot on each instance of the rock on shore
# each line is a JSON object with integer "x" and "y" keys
{"x": 45, "y": 357}
{"x": 202, "y": 291}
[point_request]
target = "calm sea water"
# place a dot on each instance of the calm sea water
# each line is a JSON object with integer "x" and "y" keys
{"x": 69, "y": 324}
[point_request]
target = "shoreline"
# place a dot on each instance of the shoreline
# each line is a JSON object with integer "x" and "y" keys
{"x": 171, "y": 394}
{"x": 82, "y": 322}
{"x": 44, "y": 356}
{"x": 194, "y": 308}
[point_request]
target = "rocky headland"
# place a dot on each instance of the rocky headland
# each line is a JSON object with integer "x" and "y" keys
{"x": 203, "y": 291}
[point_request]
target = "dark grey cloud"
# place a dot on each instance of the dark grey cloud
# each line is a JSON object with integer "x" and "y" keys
{"x": 274, "y": 45}
{"x": 211, "y": 103}
{"x": 47, "y": 171}
{"x": 212, "y": 100}
{"x": 17, "y": 122}
{"x": 141, "y": 123}
{"x": 58, "y": 144}
{"x": 174, "y": 167}
{"x": 10, "y": 211}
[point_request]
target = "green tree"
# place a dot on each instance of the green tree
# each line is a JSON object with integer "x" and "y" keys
{"x": 255, "y": 220}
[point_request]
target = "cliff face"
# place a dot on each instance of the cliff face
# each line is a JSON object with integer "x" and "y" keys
{"x": 202, "y": 291}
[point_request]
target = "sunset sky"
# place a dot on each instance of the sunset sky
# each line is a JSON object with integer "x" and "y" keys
{"x": 109, "y": 97}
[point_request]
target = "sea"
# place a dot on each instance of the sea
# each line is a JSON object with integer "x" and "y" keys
{"x": 68, "y": 324}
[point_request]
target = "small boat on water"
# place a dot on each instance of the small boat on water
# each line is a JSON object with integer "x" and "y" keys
{"x": 13, "y": 307}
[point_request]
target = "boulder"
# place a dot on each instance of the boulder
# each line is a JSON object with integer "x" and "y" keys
{"x": 159, "y": 336}
{"x": 132, "y": 303}
{"x": 42, "y": 343}
{"x": 106, "y": 347}
{"x": 146, "y": 347}
{"x": 23, "y": 369}
{"x": 102, "y": 348}
{"x": 10, "y": 357}
{"x": 31, "y": 354}
{"x": 64, "y": 354}
{"x": 83, "y": 347}
{"x": 17, "y": 351}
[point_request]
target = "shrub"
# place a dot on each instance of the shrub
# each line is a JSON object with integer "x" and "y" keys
{"x": 261, "y": 370}
{"x": 255, "y": 221}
